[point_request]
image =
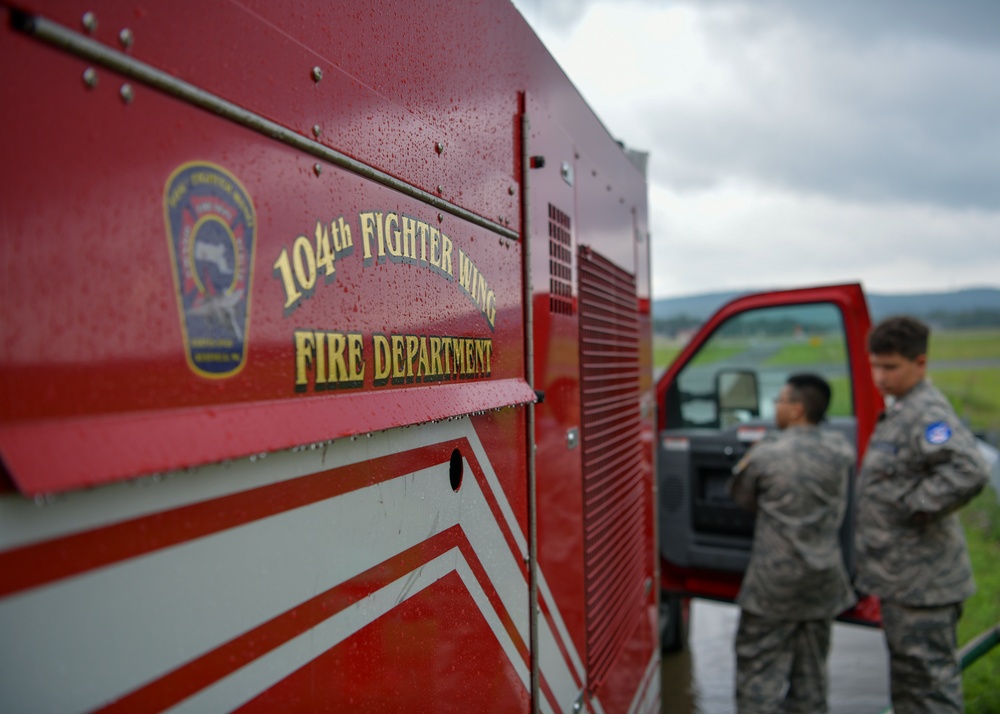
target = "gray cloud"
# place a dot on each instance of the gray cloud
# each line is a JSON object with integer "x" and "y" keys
{"x": 896, "y": 112}
{"x": 861, "y": 21}
{"x": 869, "y": 101}
{"x": 795, "y": 142}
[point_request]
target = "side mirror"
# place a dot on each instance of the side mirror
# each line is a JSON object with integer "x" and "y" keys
{"x": 738, "y": 396}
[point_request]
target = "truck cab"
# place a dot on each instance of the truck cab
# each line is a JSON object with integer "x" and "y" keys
{"x": 717, "y": 399}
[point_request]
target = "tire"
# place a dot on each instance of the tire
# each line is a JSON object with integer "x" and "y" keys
{"x": 673, "y": 624}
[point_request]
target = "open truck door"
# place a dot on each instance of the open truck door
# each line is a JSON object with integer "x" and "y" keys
{"x": 717, "y": 399}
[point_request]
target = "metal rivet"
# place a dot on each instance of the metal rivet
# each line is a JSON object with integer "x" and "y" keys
{"x": 439, "y": 147}
{"x": 566, "y": 171}
{"x": 317, "y": 169}
{"x": 440, "y": 188}
{"x": 90, "y": 77}
{"x": 317, "y": 74}
{"x": 317, "y": 130}
{"x": 440, "y": 217}
{"x": 90, "y": 22}
{"x": 510, "y": 190}
{"x": 127, "y": 93}
{"x": 126, "y": 37}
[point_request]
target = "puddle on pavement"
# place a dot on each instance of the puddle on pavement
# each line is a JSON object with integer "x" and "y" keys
{"x": 699, "y": 680}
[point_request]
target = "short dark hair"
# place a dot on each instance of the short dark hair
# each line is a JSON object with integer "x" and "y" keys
{"x": 902, "y": 335}
{"x": 813, "y": 393}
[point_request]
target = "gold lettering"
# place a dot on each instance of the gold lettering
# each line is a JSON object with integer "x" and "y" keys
{"x": 368, "y": 221}
{"x": 392, "y": 242}
{"x": 422, "y": 230}
{"x": 434, "y": 252}
{"x": 380, "y": 232}
{"x": 470, "y": 356}
{"x": 466, "y": 268}
{"x": 345, "y": 235}
{"x": 424, "y": 359}
{"x": 338, "y": 367}
{"x": 335, "y": 236}
{"x": 305, "y": 354}
{"x": 458, "y": 366}
{"x": 436, "y": 368}
{"x": 446, "y": 264}
{"x": 409, "y": 233}
{"x": 487, "y": 357}
{"x": 355, "y": 358}
{"x": 491, "y": 308}
{"x": 398, "y": 366}
{"x": 412, "y": 344}
{"x": 320, "y": 341}
{"x": 382, "y": 365}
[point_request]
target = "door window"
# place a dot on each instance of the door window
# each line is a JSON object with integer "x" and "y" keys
{"x": 739, "y": 370}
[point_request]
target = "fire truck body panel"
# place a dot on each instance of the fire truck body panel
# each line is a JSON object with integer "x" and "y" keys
{"x": 131, "y": 370}
{"x": 208, "y": 552}
{"x": 581, "y": 214}
{"x": 268, "y": 364}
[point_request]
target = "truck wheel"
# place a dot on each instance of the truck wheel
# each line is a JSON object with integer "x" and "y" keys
{"x": 673, "y": 627}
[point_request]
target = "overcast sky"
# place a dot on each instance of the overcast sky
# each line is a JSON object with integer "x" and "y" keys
{"x": 798, "y": 142}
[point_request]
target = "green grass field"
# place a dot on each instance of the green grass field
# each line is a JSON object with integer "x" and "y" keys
{"x": 964, "y": 344}
{"x": 973, "y": 392}
{"x": 981, "y": 519}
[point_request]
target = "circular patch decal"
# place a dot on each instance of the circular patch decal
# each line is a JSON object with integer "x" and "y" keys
{"x": 938, "y": 433}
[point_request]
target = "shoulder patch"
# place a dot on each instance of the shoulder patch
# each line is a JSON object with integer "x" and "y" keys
{"x": 938, "y": 433}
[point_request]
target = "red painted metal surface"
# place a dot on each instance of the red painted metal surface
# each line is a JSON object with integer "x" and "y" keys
{"x": 581, "y": 202}
{"x": 380, "y": 99}
{"x": 465, "y": 672}
{"x": 179, "y": 290}
{"x": 557, "y": 370}
{"x": 616, "y": 555}
{"x": 103, "y": 337}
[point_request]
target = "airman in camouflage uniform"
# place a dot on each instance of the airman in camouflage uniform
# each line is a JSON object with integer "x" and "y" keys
{"x": 796, "y": 581}
{"x": 921, "y": 465}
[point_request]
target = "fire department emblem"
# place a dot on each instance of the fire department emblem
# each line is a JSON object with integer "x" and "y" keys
{"x": 211, "y": 229}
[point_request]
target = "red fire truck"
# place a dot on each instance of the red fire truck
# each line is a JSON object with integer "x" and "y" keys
{"x": 325, "y": 368}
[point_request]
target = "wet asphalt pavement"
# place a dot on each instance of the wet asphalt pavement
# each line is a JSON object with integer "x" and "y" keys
{"x": 700, "y": 679}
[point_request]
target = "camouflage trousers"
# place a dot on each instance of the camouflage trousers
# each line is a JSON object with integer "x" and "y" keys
{"x": 924, "y": 671}
{"x": 781, "y": 665}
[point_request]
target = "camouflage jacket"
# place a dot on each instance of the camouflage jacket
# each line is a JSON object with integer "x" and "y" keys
{"x": 797, "y": 483}
{"x": 921, "y": 465}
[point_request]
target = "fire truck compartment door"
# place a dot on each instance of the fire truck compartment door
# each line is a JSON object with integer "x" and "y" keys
{"x": 717, "y": 399}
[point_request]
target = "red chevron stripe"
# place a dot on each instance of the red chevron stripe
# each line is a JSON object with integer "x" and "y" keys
{"x": 199, "y": 673}
{"x": 52, "y": 560}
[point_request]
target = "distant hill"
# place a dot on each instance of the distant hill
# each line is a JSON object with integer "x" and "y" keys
{"x": 955, "y": 308}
